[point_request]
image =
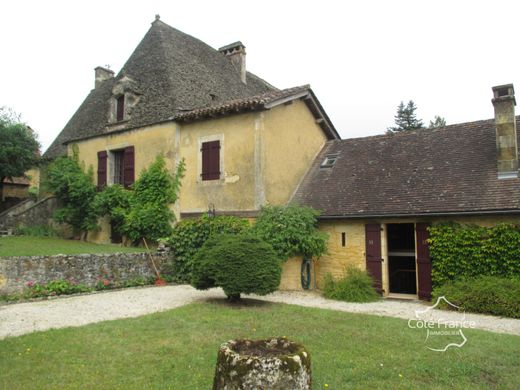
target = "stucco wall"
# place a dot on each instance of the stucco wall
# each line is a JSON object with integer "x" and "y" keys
{"x": 235, "y": 189}
{"x": 291, "y": 139}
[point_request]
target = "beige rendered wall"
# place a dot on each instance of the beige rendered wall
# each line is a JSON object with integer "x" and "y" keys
{"x": 147, "y": 141}
{"x": 291, "y": 139}
{"x": 235, "y": 189}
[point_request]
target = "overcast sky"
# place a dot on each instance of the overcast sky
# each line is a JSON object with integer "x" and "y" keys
{"x": 361, "y": 58}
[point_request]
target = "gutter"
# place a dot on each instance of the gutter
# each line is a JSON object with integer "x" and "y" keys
{"x": 433, "y": 214}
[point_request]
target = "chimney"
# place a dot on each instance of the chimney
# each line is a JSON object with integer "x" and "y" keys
{"x": 507, "y": 150}
{"x": 102, "y": 74}
{"x": 236, "y": 52}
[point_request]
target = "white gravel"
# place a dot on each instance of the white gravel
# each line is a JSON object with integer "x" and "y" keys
{"x": 21, "y": 318}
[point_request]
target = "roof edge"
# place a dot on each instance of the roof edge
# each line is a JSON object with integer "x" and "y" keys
{"x": 412, "y": 215}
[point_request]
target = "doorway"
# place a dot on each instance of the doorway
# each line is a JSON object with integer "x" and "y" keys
{"x": 402, "y": 269}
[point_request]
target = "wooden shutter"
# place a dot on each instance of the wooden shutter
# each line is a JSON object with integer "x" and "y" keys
{"x": 102, "y": 169}
{"x": 373, "y": 254}
{"x": 424, "y": 264}
{"x": 128, "y": 167}
{"x": 210, "y": 160}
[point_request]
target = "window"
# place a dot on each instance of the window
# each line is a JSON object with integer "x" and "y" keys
{"x": 210, "y": 160}
{"x": 343, "y": 239}
{"x": 116, "y": 167}
{"x": 329, "y": 161}
{"x": 120, "y": 108}
{"x": 118, "y": 158}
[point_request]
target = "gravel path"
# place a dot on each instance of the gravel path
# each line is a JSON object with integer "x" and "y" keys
{"x": 21, "y": 318}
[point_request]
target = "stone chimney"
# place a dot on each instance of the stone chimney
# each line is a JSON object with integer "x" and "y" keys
{"x": 236, "y": 52}
{"x": 507, "y": 150}
{"x": 102, "y": 74}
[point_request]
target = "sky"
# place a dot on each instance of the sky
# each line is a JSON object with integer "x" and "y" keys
{"x": 361, "y": 58}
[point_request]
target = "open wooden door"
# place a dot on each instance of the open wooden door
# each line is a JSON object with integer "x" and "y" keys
{"x": 373, "y": 254}
{"x": 424, "y": 264}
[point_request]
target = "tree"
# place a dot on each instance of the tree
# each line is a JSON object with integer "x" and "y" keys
{"x": 75, "y": 191}
{"x": 19, "y": 147}
{"x": 406, "y": 118}
{"x": 437, "y": 122}
{"x": 237, "y": 263}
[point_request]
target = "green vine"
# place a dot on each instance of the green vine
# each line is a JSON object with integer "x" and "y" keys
{"x": 462, "y": 251}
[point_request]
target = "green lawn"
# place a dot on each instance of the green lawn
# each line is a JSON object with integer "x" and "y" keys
{"x": 34, "y": 246}
{"x": 177, "y": 350}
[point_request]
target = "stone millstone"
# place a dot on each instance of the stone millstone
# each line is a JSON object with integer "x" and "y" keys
{"x": 274, "y": 364}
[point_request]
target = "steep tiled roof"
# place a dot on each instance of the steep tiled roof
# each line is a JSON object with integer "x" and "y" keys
{"x": 173, "y": 72}
{"x": 448, "y": 170}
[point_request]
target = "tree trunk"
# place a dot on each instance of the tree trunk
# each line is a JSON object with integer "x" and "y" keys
{"x": 274, "y": 364}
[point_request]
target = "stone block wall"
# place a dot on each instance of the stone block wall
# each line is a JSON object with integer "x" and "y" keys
{"x": 16, "y": 272}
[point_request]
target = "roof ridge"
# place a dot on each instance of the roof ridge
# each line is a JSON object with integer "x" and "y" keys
{"x": 418, "y": 131}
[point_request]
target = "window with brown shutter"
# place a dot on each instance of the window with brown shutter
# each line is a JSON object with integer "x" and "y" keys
{"x": 120, "y": 108}
{"x": 210, "y": 160}
{"x": 102, "y": 169}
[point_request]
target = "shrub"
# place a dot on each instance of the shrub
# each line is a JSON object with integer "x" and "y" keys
{"x": 291, "y": 230}
{"x": 37, "y": 231}
{"x": 467, "y": 251}
{"x": 484, "y": 294}
{"x": 355, "y": 286}
{"x": 149, "y": 214}
{"x": 190, "y": 235}
{"x": 239, "y": 264}
{"x": 75, "y": 192}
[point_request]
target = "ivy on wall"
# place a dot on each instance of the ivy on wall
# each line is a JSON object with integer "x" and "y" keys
{"x": 465, "y": 251}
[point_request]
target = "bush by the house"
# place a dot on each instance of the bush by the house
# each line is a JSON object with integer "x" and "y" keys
{"x": 237, "y": 263}
{"x": 189, "y": 236}
{"x": 37, "y": 231}
{"x": 291, "y": 230}
{"x": 485, "y": 294}
{"x": 75, "y": 192}
{"x": 149, "y": 214}
{"x": 465, "y": 251}
{"x": 355, "y": 286}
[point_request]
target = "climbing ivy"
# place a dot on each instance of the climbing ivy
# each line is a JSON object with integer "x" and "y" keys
{"x": 462, "y": 251}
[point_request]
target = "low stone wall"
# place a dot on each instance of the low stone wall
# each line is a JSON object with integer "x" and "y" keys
{"x": 16, "y": 272}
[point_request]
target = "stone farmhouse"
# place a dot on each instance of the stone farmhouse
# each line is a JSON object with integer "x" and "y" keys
{"x": 247, "y": 144}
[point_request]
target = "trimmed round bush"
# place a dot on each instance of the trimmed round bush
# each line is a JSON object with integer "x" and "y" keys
{"x": 485, "y": 294}
{"x": 237, "y": 263}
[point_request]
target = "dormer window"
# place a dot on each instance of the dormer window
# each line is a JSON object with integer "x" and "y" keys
{"x": 120, "y": 108}
{"x": 329, "y": 161}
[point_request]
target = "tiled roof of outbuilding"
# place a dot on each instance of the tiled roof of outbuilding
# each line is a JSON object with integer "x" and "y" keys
{"x": 174, "y": 72}
{"x": 433, "y": 171}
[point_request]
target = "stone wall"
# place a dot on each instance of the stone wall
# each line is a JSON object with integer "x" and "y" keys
{"x": 16, "y": 272}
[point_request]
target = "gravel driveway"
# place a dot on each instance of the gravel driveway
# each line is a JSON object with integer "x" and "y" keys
{"x": 21, "y": 318}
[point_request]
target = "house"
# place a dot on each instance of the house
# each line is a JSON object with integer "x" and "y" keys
{"x": 245, "y": 143}
{"x": 379, "y": 194}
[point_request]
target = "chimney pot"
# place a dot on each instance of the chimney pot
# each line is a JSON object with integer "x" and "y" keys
{"x": 504, "y": 103}
{"x": 102, "y": 74}
{"x": 236, "y": 52}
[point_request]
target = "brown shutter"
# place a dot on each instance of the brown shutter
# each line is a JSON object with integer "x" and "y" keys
{"x": 373, "y": 254}
{"x": 210, "y": 160}
{"x": 424, "y": 264}
{"x": 128, "y": 166}
{"x": 102, "y": 169}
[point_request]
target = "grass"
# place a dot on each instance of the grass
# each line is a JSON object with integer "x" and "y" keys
{"x": 39, "y": 246}
{"x": 177, "y": 350}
